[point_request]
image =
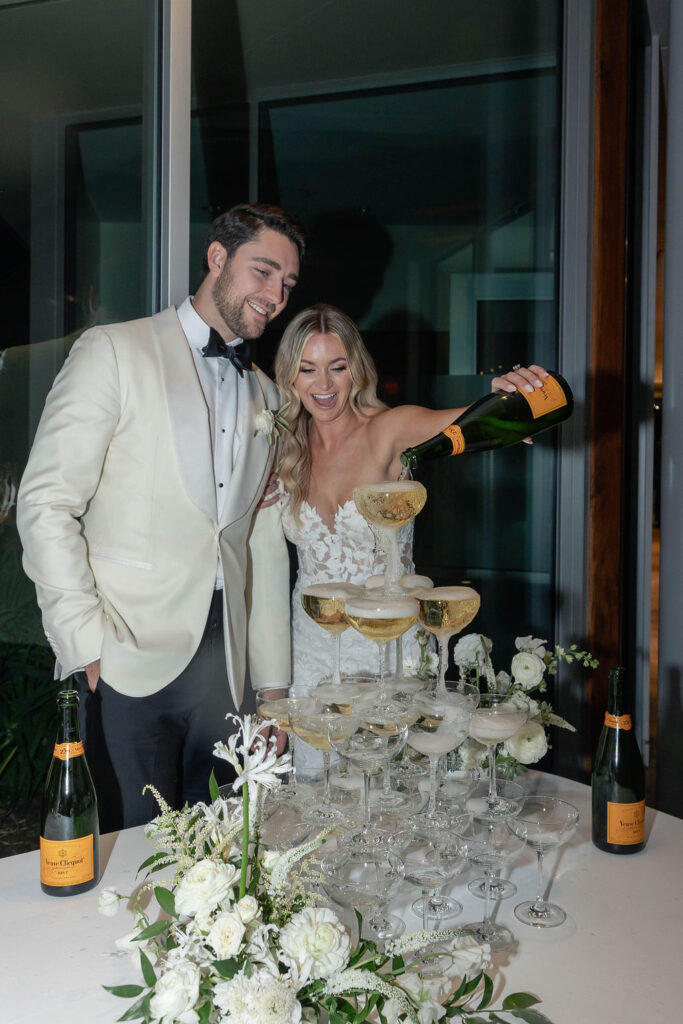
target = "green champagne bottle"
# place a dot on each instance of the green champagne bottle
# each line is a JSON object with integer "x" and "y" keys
{"x": 618, "y": 780}
{"x": 497, "y": 420}
{"x": 69, "y": 829}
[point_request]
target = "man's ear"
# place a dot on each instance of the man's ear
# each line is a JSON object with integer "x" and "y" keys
{"x": 216, "y": 257}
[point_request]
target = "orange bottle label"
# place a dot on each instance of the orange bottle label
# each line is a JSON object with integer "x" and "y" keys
{"x": 618, "y": 721}
{"x": 67, "y": 862}
{"x": 545, "y": 399}
{"x": 625, "y": 823}
{"x": 66, "y": 750}
{"x": 454, "y": 433}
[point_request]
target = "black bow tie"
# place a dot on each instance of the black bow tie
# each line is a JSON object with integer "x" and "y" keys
{"x": 239, "y": 355}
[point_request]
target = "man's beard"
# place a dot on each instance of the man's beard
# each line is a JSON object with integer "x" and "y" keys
{"x": 231, "y": 309}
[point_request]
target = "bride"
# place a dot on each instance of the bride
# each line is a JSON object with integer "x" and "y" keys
{"x": 341, "y": 435}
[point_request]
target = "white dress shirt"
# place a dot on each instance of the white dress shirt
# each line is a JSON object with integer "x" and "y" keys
{"x": 226, "y": 396}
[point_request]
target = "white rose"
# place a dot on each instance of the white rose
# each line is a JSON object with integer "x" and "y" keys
{"x": 108, "y": 902}
{"x": 226, "y": 934}
{"x": 204, "y": 886}
{"x": 247, "y": 908}
{"x": 175, "y": 994}
{"x": 426, "y": 993}
{"x": 527, "y": 670}
{"x": 528, "y": 745}
{"x": 316, "y": 939}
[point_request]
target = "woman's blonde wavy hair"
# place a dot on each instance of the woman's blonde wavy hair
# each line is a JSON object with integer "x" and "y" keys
{"x": 295, "y": 452}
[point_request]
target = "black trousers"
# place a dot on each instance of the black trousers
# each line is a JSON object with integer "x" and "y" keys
{"x": 164, "y": 740}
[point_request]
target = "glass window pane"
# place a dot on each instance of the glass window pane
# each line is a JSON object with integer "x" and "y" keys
{"x": 71, "y": 113}
{"x": 425, "y": 166}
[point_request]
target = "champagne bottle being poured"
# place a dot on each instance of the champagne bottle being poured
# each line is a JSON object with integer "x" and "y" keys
{"x": 497, "y": 420}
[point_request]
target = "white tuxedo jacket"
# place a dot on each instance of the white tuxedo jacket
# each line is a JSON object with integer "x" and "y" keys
{"x": 118, "y": 518}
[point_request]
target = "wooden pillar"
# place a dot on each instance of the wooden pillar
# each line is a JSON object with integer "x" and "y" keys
{"x": 607, "y": 348}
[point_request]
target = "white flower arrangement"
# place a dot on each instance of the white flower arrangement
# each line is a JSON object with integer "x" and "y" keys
{"x": 244, "y": 935}
{"x": 271, "y": 421}
{"x": 528, "y": 668}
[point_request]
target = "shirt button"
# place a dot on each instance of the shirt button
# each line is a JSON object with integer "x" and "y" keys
{"x": 222, "y": 430}
{"x": 220, "y": 485}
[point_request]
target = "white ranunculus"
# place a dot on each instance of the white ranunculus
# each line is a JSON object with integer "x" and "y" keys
{"x": 531, "y": 644}
{"x": 204, "y": 886}
{"x": 260, "y": 998}
{"x": 175, "y": 995}
{"x": 528, "y": 745}
{"x": 108, "y": 901}
{"x": 317, "y": 941}
{"x": 471, "y": 650}
{"x": 527, "y": 670}
{"x": 264, "y": 422}
{"x": 469, "y": 956}
{"x": 248, "y": 908}
{"x": 226, "y": 934}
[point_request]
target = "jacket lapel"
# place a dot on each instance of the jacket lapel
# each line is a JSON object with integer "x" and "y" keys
{"x": 188, "y": 412}
{"x": 253, "y": 458}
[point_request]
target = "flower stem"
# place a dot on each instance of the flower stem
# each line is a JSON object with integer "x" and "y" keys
{"x": 245, "y": 839}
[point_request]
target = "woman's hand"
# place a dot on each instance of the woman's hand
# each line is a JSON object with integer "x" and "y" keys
{"x": 524, "y": 377}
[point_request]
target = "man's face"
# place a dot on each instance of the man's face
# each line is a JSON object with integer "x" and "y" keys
{"x": 254, "y": 286}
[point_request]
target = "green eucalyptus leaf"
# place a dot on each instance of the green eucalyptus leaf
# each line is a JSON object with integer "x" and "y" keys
{"x": 151, "y": 932}
{"x": 518, "y": 1000}
{"x": 124, "y": 991}
{"x": 166, "y": 900}
{"x": 148, "y": 972}
{"x": 227, "y": 968}
{"x": 531, "y": 1016}
{"x": 487, "y": 994}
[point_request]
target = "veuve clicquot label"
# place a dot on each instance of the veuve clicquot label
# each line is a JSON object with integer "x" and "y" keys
{"x": 67, "y": 861}
{"x": 625, "y": 823}
{"x": 546, "y": 399}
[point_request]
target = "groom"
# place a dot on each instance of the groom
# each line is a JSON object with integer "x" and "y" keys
{"x": 156, "y": 575}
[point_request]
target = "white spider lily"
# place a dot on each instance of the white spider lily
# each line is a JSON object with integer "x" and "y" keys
{"x": 255, "y": 759}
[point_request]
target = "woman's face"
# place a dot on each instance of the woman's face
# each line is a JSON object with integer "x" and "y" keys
{"x": 323, "y": 382}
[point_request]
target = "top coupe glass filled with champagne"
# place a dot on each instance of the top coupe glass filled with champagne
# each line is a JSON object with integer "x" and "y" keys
{"x": 386, "y": 506}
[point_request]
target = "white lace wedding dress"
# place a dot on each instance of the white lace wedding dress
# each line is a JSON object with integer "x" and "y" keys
{"x": 344, "y": 551}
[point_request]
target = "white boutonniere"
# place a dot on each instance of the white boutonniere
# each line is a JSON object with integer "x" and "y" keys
{"x": 271, "y": 421}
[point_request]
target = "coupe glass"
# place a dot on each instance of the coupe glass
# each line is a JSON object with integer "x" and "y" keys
{"x": 381, "y": 619}
{"x": 324, "y": 603}
{"x": 489, "y": 845}
{"x": 386, "y": 507}
{"x": 431, "y": 859}
{"x": 409, "y": 582}
{"x": 545, "y": 822}
{"x": 495, "y": 720}
{"x": 367, "y": 740}
{"x": 366, "y": 879}
{"x": 309, "y": 719}
{"x": 273, "y": 702}
{"x": 445, "y": 611}
{"x": 477, "y": 804}
{"x": 440, "y": 725}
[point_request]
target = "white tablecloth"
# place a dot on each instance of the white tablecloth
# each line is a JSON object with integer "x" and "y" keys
{"x": 616, "y": 960}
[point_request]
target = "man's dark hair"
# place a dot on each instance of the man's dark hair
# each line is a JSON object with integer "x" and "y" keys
{"x": 242, "y": 223}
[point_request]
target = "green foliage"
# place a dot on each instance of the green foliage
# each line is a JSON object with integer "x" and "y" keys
{"x": 27, "y": 728}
